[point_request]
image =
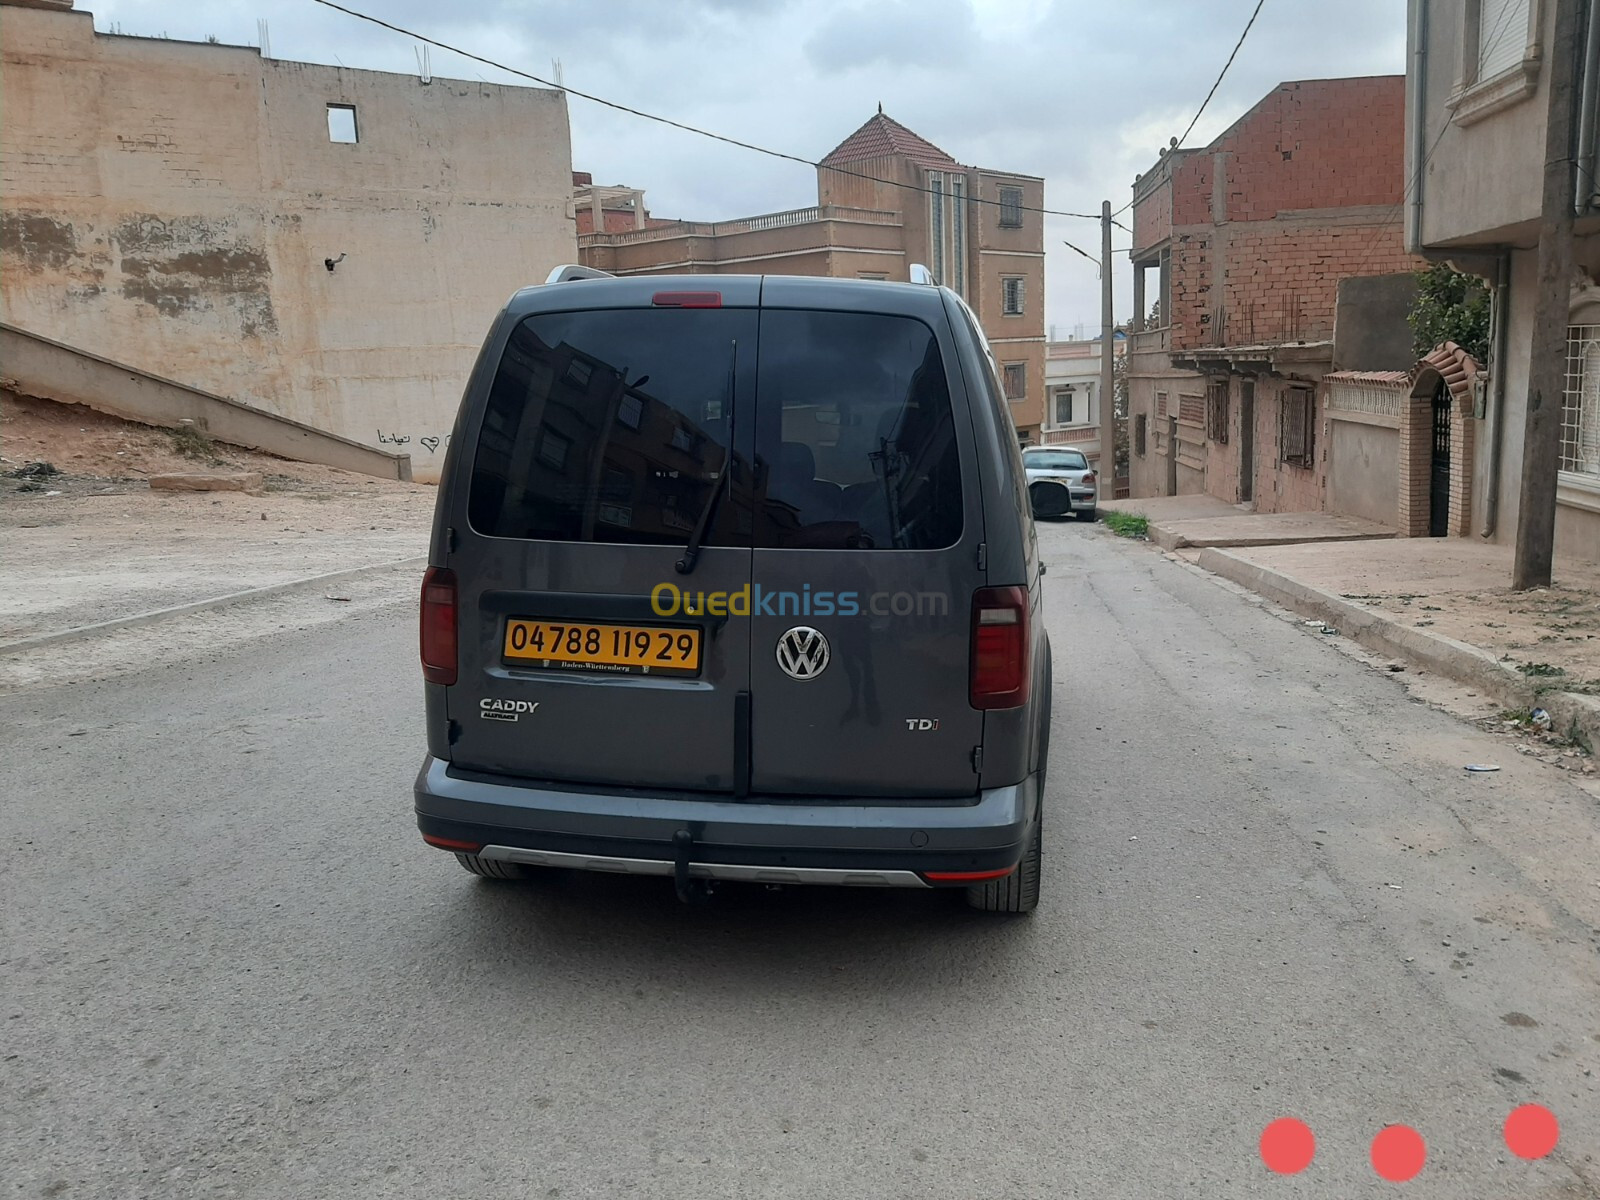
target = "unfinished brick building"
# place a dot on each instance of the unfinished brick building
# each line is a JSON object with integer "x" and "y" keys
{"x": 1250, "y": 238}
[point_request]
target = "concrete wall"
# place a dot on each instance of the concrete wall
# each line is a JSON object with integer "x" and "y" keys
{"x": 1363, "y": 468}
{"x": 1483, "y": 170}
{"x": 176, "y": 216}
{"x": 1578, "y": 507}
{"x": 35, "y": 366}
{"x": 1150, "y": 374}
{"x": 1370, "y": 332}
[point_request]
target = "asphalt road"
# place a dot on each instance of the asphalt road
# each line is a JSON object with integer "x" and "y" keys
{"x": 229, "y": 966}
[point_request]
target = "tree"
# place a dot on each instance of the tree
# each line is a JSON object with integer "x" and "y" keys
{"x": 1450, "y": 307}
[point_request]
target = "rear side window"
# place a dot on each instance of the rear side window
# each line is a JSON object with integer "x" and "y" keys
{"x": 856, "y": 445}
{"x": 615, "y": 426}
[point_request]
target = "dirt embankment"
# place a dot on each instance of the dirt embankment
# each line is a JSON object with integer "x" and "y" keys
{"x": 86, "y": 540}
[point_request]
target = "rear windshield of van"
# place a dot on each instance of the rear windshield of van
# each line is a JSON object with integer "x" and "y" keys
{"x": 856, "y": 438}
{"x": 613, "y": 425}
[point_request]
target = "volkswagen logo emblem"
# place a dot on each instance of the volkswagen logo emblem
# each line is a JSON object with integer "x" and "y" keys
{"x": 803, "y": 652}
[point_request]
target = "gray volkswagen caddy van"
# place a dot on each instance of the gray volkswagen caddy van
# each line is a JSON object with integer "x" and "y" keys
{"x": 735, "y": 578}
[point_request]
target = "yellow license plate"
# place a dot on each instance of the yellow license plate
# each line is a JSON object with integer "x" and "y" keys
{"x": 580, "y": 645}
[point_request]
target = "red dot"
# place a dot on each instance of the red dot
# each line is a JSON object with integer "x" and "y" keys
{"x": 1398, "y": 1153}
{"x": 1287, "y": 1146}
{"x": 1531, "y": 1131}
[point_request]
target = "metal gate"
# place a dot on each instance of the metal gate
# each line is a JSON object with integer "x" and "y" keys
{"x": 1439, "y": 481}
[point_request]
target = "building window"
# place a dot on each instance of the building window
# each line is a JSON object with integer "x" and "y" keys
{"x": 1010, "y": 208}
{"x": 553, "y": 449}
{"x": 342, "y": 123}
{"x": 1016, "y": 381}
{"x": 1161, "y": 404}
{"x": 1141, "y": 424}
{"x": 1217, "y": 413}
{"x": 936, "y": 222}
{"x": 1580, "y": 407}
{"x": 1297, "y": 423}
{"x": 1499, "y": 33}
{"x": 1011, "y": 293}
{"x": 1063, "y": 407}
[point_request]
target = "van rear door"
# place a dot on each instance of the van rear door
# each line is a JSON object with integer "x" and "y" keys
{"x": 867, "y": 536}
{"x": 594, "y": 458}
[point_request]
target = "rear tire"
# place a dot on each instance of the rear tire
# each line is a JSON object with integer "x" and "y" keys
{"x": 490, "y": 868}
{"x": 1017, "y": 892}
{"x": 1084, "y": 514}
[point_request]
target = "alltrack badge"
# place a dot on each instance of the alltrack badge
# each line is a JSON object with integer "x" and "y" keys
{"x": 803, "y": 652}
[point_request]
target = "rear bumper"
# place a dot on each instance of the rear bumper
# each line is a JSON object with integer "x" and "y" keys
{"x": 774, "y": 842}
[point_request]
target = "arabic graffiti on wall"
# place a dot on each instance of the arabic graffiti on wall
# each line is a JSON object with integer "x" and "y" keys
{"x": 430, "y": 443}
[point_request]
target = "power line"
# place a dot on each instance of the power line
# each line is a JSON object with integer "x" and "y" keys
{"x": 1211, "y": 93}
{"x": 706, "y": 133}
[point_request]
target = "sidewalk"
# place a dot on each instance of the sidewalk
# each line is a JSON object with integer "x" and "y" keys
{"x": 1198, "y": 522}
{"x": 1445, "y": 604}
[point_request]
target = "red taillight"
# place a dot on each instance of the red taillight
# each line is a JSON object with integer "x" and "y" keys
{"x": 966, "y": 876}
{"x": 1089, "y": 478}
{"x": 999, "y": 648}
{"x": 439, "y": 626}
{"x": 455, "y": 844}
{"x": 687, "y": 300}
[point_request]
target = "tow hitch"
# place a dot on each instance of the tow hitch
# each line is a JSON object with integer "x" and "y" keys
{"x": 690, "y": 891}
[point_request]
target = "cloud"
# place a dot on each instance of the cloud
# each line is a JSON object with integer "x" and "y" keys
{"x": 897, "y": 35}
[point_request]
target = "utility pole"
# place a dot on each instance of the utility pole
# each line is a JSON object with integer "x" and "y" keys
{"x": 1541, "y": 439}
{"x": 1108, "y": 363}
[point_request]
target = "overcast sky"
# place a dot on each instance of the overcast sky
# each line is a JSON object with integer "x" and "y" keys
{"x": 1082, "y": 93}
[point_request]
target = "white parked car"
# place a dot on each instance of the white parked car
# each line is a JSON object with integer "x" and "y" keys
{"x": 1060, "y": 481}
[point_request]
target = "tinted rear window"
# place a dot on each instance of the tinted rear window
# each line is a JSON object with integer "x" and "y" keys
{"x": 855, "y": 442}
{"x": 1061, "y": 460}
{"x": 614, "y": 426}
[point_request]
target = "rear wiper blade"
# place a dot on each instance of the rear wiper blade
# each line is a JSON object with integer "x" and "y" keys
{"x": 723, "y": 482}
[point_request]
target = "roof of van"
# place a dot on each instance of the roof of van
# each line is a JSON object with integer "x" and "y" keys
{"x": 742, "y": 291}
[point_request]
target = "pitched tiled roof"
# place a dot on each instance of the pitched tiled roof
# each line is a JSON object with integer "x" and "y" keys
{"x": 1458, "y": 368}
{"x": 882, "y": 136}
{"x": 1379, "y": 378}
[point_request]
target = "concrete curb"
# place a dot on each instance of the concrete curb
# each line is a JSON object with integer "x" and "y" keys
{"x": 178, "y": 610}
{"x": 1172, "y": 537}
{"x": 1570, "y": 712}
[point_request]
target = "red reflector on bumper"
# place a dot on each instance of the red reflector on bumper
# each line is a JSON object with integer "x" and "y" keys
{"x": 445, "y": 843}
{"x": 966, "y": 876}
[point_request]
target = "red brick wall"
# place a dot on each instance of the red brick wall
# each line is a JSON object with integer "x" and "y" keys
{"x": 1306, "y": 151}
{"x": 1321, "y": 143}
{"x": 1281, "y": 278}
{"x": 1152, "y": 214}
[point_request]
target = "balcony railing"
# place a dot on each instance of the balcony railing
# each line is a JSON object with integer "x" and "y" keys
{"x": 1070, "y": 435}
{"x": 1151, "y": 341}
{"x": 777, "y": 220}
